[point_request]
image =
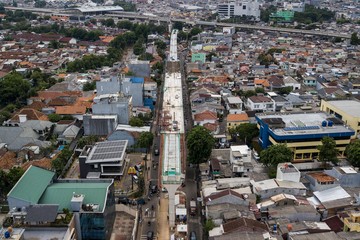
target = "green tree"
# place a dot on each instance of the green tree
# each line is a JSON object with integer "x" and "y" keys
{"x": 40, "y": 4}
{"x": 353, "y": 153}
{"x": 13, "y": 89}
{"x": 328, "y": 151}
{"x": 89, "y": 86}
{"x": 53, "y": 117}
{"x": 247, "y": 131}
{"x": 199, "y": 143}
{"x": 139, "y": 47}
{"x": 195, "y": 31}
{"x": 145, "y": 140}
{"x": 54, "y": 44}
{"x": 265, "y": 13}
{"x": 136, "y": 122}
{"x": 178, "y": 25}
{"x": 109, "y": 22}
{"x": 127, "y": 6}
{"x": 276, "y": 154}
{"x": 209, "y": 225}
{"x": 87, "y": 140}
{"x": 354, "y": 40}
{"x": 124, "y": 25}
{"x": 160, "y": 44}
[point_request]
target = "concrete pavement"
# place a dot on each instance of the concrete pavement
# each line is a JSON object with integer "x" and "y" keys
{"x": 163, "y": 230}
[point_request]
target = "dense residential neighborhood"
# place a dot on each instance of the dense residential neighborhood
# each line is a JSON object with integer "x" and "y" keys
{"x": 179, "y": 120}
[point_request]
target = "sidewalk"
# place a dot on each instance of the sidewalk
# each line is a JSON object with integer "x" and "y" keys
{"x": 163, "y": 232}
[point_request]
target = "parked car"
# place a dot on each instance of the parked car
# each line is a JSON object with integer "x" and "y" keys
{"x": 150, "y": 235}
{"x": 153, "y": 189}
{"x": 136, "y": 178}
{"x": 156, "y": 152}
{"x": 138, "y": 167}
{"x": 193, "y": 236}
{"x": 256, "y": 155}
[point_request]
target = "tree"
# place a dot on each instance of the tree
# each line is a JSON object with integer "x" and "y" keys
{"x": 88, "y": 140}
{"x": 13, "y": 89}
{"x": 247, "y": 131}
{"x": 40, "y": 4}
{"x": 145, "y": 140}
{"x": 178, "y": 25}
{"x": 160, "y": 45}
{"x": 53, "y": 117}
{"x": 354, "y": 40}
{"x": 209, "y": 225}
{"x": 195, "y": 31}
{"x": 89, "y": 86}
{"x": 199, "y": 143}
{"x": 276, "y": 154}
{"x": 328, "y": 151}
{"x": 136, "y": 122}
{"x": 353, "y": 153}
{"x": 124, "y": 25}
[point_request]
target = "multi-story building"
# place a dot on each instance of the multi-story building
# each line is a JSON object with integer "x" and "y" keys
{"x": 260, "y": 104}
{"x": 38, "y": 200}
{"x": 103, "y": 159}
{"x": 302, "y": 132}
{"x": 240, "y": 8}
{"x": 113, "y": 104}
{"x": 347, "y": 111}
{"x": 240, "y": 159}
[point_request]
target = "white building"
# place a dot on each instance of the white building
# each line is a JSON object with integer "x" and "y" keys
{"x": 240, "y": 8}
{"x": 260, "y": 104}
{"x": 287, "y": 172}
{"x": 240, "y": 159}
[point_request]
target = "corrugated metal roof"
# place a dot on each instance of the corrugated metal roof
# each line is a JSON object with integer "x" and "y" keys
{"x": 331, "y": 194}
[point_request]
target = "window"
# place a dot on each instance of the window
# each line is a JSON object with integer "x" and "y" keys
{"x": 244, "y": 7}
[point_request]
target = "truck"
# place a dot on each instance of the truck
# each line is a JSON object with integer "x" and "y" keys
{"x": 192, "y": 208}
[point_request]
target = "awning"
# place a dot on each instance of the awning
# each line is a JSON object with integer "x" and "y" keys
{"x": 180, "y": 211}
{"x": 182, "y": 228}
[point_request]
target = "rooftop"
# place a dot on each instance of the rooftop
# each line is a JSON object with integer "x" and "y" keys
{"x": 305, "y": 123}
{"x": 322, "y": 177}
{"x": 234, "y": 100}
{"x": 112, "y": 151}
{"x": 25, "y": 188}
{"x": 61, "y": 193}
{"x": 331, "y": 194}
{"x": 351, "y": 107}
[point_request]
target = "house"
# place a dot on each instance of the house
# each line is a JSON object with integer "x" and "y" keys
{"x": 346, "y": 176}
{"x": 74, "y": 111}
{"x": 68, "y": 135}
{"x": 352, "y": 222}
{"x": 287, "y": 172}
{"x": 204, "y": 169}
{"x": 217, "y": 205}
{"x": 205, "y": 117}
{"x": 295, "y": 213}
{"x": 233, "y": 105}
{"x": 270, "y": 187}
{"x": 233, "y": 120}
{"x": 150, "y": 93}
{"x": 320, "y": 181}
{"x": 239, "y": 229}
{"x": 31, "y": 132}
{"x": 103, "y": 159}
{"x": 240, "y": 160}
{"x": 260, "y": 104}
{"x": 310, "y": 81}
{"x": 38, "y": 199}
{"x": 331, "y": 200}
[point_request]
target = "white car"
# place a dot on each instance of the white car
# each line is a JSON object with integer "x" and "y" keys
{"x": 256, "y": 155}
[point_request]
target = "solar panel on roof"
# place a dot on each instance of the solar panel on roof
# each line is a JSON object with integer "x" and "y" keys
{"x": 301, "y": 128}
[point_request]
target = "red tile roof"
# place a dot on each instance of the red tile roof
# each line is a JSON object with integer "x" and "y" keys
{"x": 245, "y": 224}
{"x": 31, "y": 114}
{"x": 206, "y": 115}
